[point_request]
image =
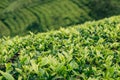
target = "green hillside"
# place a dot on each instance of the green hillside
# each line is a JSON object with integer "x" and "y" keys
{"x": 18, "y": 17}
{"x": 90, "y": 51}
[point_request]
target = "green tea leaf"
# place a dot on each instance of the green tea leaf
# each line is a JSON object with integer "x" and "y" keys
{"x": 7, "y": 75}
{"x": 34, "y": 66}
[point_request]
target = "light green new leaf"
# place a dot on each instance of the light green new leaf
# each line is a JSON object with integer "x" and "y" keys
{"x": 18, "y": 70}
{"x": 73, "y": 65}
{"x": 1, "y": 77}
{"x": 34, "y": 66}
{"x": 7, "y": 75}
{"x": 61, "y": 57}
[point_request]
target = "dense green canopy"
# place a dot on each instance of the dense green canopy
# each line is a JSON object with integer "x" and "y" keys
{"x": 90, "y": 51}
{"x": 21, "y": 16}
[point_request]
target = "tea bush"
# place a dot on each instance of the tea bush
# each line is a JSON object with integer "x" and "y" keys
{"x": 90, "y": 51}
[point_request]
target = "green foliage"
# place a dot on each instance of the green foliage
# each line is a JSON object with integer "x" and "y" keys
{"x": 86, "y": 52}
{"x": 7, "y": 75}
{"x": 21, "y": 16}
{"x": 105, "y": 8}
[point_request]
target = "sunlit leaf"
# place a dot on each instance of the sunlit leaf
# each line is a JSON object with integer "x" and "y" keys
{"x": 7, "y": 75}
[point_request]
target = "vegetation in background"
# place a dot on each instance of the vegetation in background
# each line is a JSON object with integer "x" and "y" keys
{"x": 18, "y": 16}
{"x": 104, "y": 8}
{"x": 90, "y": 51}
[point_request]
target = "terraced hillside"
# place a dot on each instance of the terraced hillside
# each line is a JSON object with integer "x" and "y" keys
{"x": 90, "y": 51}
{"x": 20, "y": 16}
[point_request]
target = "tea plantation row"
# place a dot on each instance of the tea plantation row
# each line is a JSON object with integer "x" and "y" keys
{"x": 90, "y": 51}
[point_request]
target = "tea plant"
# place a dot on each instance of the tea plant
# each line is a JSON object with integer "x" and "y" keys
{"x": 89, "y": 51}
